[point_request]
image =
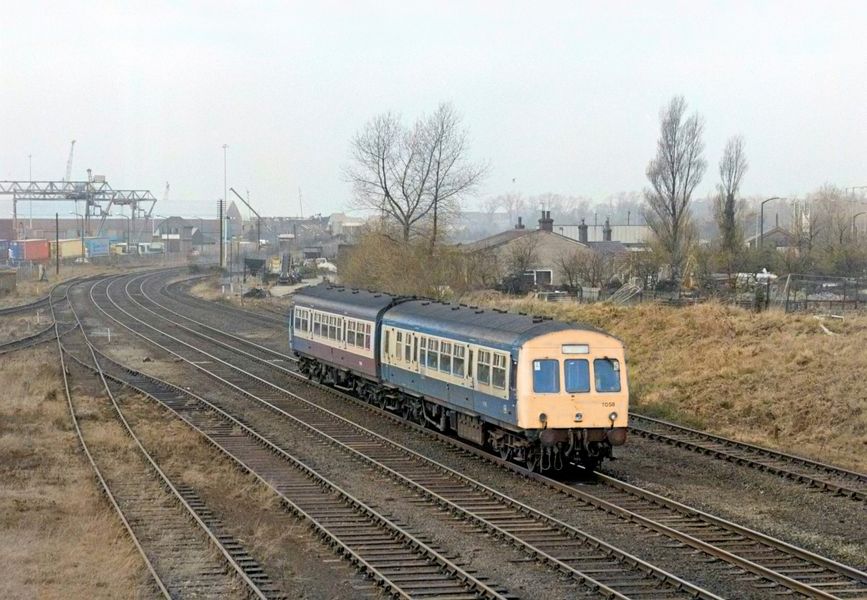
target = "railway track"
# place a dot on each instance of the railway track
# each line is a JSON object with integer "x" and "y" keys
{"x": 405, "y": 564}
{"x": 58, "y": 294}
{"x": 185, "y": 547}
{"x": 766, "y": 557}
{"x": 593, "y": 563}
{"x": 42, "y": 302}
{"x": 817, "y": 475}
{"x": 275, "y": 320}
{"x": 39, "y": 337}
{"x": 820, "y": 476}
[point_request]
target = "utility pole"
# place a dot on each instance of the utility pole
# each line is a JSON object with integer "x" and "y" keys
{"x": 220, "y": 204}
{"x": 30, "y": 179}
{"x": 225, "y": 192}
{"x": 56, "y": 243}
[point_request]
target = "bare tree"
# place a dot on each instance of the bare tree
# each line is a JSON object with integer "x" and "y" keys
{"x": 674, "y": 174}
{"x": 384, "y": 155}
{"x": 412, "y": 176}
{"x": 452, "y": 175}
{"x": 732, "y": 167}
{"x": 512, "y": 204}
{"x": 569, "y": 265}
{"x": 523, "y": 255}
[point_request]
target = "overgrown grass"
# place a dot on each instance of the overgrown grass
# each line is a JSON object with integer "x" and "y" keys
{"x": 768, "y": 378}
{"x": 58, "y": 537}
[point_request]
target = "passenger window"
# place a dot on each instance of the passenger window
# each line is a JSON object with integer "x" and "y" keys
{"x": 577, "y": 372}
{"x": 407, "y": 350}
{"x": 484, "y": 373}
{"x": 607, "y": 373}
{"x": 458, "y": 361}
{"x": 498, "y": 375}
{"x": 446, "y": 357}
{"x": 433, "y": 354}
{"x": 387, "y": 340}
{"x": 546, "y": 376}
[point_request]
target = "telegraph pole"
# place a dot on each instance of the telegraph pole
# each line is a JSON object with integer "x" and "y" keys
{"x": 220, "y": 203}
{"x": 56, "y": 243}
{"x": 225, "y": 192}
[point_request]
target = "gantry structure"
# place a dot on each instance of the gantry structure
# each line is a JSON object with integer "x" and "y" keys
{"x": 97, "y": 195}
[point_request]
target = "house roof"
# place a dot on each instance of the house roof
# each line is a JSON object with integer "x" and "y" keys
{"x": 608, "y": 247}
{"x": 772, "y": 231}
{"x": 509, "y": 235}
{"x": 504, "y": 237}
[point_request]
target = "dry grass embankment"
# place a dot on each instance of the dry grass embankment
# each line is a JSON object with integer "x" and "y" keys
{"x": 768, "y": 378}
{"x": 29, "y": 290}
{"x": 58, "y": 536}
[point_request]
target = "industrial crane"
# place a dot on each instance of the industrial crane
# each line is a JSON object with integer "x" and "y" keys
{"x": 69, "y": 162}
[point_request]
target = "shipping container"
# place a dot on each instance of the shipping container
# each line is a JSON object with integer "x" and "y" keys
{"x": 69, "y": 248}
{"x": 33, "y": 250}
{"x": 96, "y": 247}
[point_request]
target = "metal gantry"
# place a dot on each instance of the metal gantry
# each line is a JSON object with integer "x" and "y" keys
{"x": 96, "y": 193}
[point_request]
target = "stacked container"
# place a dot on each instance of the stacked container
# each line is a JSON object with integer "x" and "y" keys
{"x": 35, "y": 250}
{"x": 69, "y": 248}
{"x": 98, "y": 246}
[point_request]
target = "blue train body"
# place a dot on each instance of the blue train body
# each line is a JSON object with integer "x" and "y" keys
{"x": 479, "y": 373}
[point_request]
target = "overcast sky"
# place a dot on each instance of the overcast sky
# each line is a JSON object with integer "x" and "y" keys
{"x": 561, "y": 97}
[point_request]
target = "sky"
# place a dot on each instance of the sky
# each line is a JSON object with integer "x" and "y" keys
{"x": 560, "y": 97}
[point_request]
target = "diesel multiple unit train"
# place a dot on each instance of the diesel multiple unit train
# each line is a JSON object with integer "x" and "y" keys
{"x": 539, "y": 392}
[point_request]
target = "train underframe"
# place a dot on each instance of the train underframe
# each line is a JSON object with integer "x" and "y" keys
{"x": 550, "y": 451}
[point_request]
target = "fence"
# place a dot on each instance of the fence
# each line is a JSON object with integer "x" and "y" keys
{"x": 801, "y": 292}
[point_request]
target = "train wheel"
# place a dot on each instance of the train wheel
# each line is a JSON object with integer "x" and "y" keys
{"x": 505, "y": 451}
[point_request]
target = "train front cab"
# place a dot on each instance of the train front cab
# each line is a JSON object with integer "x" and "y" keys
{"x": 573, "y": 380}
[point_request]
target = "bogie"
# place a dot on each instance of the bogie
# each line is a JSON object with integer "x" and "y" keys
{"x": 530, "y": 451}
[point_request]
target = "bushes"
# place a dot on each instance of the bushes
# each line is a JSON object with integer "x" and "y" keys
{"x": 383, "y": 263}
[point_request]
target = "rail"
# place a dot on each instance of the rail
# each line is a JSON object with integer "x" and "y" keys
{"x": 693, "y": 525}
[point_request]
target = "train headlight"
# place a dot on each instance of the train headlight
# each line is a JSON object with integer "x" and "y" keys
{"x": 579, "y": 417}
{"x": 543, "y": 418}
{"x": 612, "y": 417}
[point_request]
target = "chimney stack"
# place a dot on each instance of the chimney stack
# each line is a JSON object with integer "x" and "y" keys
{"x": 546, "y": 223}
{"x": 582, "y": 232}
{"x": 606, "y": 231}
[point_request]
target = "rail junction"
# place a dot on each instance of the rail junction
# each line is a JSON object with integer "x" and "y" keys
{"x": 292, "y": 435}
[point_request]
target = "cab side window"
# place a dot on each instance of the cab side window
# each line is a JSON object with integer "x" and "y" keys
{"x": 607, "y": 374}
{"x": 546, "y": 376}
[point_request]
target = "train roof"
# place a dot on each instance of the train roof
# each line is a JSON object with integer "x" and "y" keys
{"x": 361, "y": 304}
{"x": 496, "y": 328}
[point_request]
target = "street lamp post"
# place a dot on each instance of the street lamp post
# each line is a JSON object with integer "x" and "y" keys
{"x": 762, "y": 220}
{"x": 855, "y": 231}
{"x": 128, "y": 249}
